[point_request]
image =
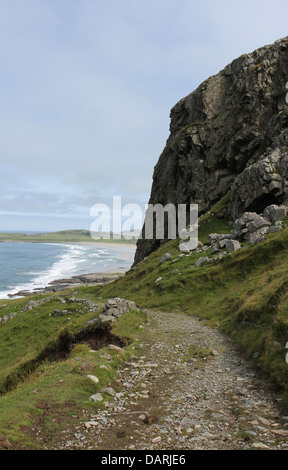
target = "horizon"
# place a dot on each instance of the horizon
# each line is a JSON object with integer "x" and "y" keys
{"x": 87, "y": 89}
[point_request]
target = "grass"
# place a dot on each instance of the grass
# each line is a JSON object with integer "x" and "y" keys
{"x": 245, "y": 295}
{"x": 49, "y": 392}
{"x": 64, "y": 236}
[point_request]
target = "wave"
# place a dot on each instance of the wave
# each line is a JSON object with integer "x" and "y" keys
{"x": 72, "y": 260}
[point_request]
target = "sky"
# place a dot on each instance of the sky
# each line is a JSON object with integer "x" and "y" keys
{"x": 86, "y": 88}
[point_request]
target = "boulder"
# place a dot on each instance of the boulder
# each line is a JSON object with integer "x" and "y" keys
{"x": 256, "y": 237}
{"x": 275, "y": 213}
{"x": 258, "y": 223}
{"x": 244, "y": 220}
{"x": 114, "y": 308}
{"x": 187, "y": 246}
{"x": 274, "y": 229}
{"x": 233, "y": 245}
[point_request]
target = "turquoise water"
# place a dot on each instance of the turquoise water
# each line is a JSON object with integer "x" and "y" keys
{"x": 26, "y": 266}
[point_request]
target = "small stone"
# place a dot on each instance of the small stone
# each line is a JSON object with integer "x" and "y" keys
{"x": 96, "y": 397}
{"x": 109, "y": 391}
{"x": 116, "y": 348}
{"x": 166, "y": 257}
{"x": 156, "y": 439}
{"x": 259, "y": 445}
{"x": 264, "y": 421}
{"x": 93, "y": 378}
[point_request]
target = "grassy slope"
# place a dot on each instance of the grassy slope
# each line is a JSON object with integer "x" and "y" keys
{"x": 47, "y": 392}
{"x": 245, "y": 295}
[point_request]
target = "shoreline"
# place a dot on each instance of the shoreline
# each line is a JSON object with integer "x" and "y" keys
{"x": 69, "y": 242}
{"x": 59, "y": 285}
{"x": 88, "y": 278}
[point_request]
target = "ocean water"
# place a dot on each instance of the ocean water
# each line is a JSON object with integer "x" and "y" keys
{"x": 27, "y": 266}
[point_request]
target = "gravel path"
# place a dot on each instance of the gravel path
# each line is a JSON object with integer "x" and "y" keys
{"x": 190, "y": 389}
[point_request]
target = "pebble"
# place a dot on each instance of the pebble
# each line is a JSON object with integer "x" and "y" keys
{"x": 175, "y": 403}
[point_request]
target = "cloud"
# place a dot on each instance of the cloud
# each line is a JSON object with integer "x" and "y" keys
{"x": 86, "y": 89}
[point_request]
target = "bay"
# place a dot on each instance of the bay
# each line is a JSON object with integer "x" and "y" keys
{"x": 27, "y": 266}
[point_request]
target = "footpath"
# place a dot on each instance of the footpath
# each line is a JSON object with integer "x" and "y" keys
{"x": 190, "y": 389}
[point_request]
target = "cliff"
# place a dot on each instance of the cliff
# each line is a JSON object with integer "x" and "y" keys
{"x": 230, "y": 134}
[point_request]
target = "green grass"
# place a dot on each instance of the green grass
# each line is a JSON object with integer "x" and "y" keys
{"x": 64, "y": 236}
{"x": 49, "y": 392}
{"x": 245, "y": 295}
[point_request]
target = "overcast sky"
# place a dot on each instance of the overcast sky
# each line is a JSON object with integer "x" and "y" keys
{"x": 86, "y": 88}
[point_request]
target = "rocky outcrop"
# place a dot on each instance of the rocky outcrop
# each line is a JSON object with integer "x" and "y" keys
{"x": 115, "y": 308}
{"x": 250, "y": 227}
{"x": 230, "y": 134}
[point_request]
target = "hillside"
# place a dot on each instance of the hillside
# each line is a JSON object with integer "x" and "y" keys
{"x": 230, "y": 134}
{"x": 50, "y": 344}
{"x": 188, "y": 349}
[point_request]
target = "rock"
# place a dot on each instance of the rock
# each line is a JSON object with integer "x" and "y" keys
{"x": 256, "y": 237}
{"x": 109, "y": 391}
{"x": 59, "y": 313}
{"x": 244, "y": 220}
{"x": 233, "y": 245}
{"x": 114, "y": 308}
{"x": 116, "y": 348}
{"x": 275, "y": 213}
{"x": 258, "y": 223}
{"x": 226, "y": 136}
{"x": 260, "y": 445}
{"x": 105, "y": 318}
{"x": 93, "y": 378}
{"x": 7, "y": 317}
{"x": 212, "y": 238}
{"x": 187, "y": 246}
{"x": 274, "y": 229}
{"x": 95, "y": 398}
{"x": 202, "y": 260}
{"x": 166, "y": 257}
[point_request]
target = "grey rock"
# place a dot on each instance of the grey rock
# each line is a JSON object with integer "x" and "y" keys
{"x": 241, "y": 223}
{"x": 7, "y": 317}
{"x": 95, "y": 398}
{"x": 258, "y": 223}
{"x": 166, "y": 257}
{"x": 115, "y": 308}
{"x": 274, "y": 229}
{"x": 109, "y": 391}
{"x": 233, "y": 245}
{"x": 228, "y": 135}
{"x": 275, "y": 213}
{"x": 212, "y": 238}
{"x": 202, "y": 260}
{"x": 187, "y": 246}
{"x": 256, "y": 237}
{"x": 214, "y": 249}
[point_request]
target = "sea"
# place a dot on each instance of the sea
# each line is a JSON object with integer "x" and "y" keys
{"x": 28, "y": 266}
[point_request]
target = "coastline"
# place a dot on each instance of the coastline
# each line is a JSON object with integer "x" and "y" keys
{"x": 89, "y": 277}
{"x": 58, "y": 285}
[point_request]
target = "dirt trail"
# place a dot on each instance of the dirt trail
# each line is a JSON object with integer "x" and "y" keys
{"x": 190, "y": 389}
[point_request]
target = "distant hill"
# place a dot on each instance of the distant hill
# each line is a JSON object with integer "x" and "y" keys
{"x": 63, "y": 236}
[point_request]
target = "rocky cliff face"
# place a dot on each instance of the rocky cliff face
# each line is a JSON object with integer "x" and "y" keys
{"x": 230, "y": 134}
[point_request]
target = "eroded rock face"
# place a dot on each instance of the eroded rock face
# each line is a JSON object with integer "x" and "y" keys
{"x": 230, "y": 134}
